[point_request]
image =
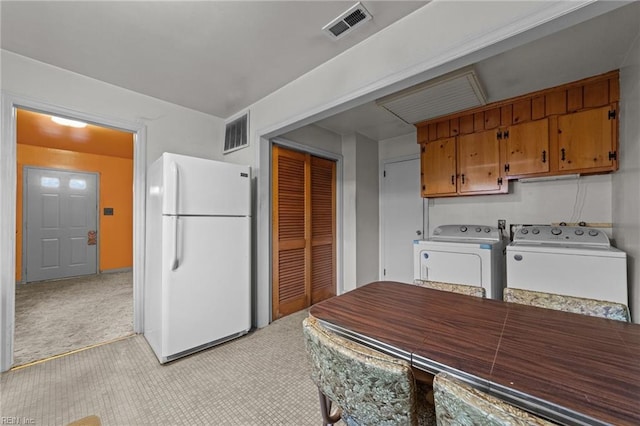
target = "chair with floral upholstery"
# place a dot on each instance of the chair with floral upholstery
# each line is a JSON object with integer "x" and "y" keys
{"x": 457, "y": 403}
{"x": 469, "y": 290}
{"x": 577, "y": 305}
{"x": 368, "y": 387}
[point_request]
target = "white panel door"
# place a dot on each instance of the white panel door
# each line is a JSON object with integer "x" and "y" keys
{"x": 60, "y": 215}
{"x": 207, "y": 296}
{"x": 402, "y": 218}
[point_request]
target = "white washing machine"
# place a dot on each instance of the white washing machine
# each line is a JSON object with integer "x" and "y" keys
{"x": 462, "y": 254}
{"x": 573, "y": 261}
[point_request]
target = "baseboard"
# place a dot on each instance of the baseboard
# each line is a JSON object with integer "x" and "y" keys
{"x": 115, "y": 271}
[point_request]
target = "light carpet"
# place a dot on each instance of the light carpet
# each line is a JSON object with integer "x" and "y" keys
{"x": 259, "y": 379}
{"x": 54, "y": 317}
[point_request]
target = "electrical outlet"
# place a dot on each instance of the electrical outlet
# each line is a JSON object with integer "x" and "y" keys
{"x": 502, "y": 224}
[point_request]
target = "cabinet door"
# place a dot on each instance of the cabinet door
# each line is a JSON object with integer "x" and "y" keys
{"x": 585, "y": 139}
{"x": 527, "y": 148}
{"x": 438, "y": 165}
{"x": 479, "y": 163}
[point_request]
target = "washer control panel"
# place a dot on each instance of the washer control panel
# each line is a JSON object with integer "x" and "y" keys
{"x": 561, "y": 235}
{"x": 466, "y": 232}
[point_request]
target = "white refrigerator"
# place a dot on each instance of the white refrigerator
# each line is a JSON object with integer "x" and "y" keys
{"x": 197, "y": 259}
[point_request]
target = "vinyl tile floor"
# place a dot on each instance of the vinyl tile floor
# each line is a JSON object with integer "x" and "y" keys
{"x": 258, "y": 379}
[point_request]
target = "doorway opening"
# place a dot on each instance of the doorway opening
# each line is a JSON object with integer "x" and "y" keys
{"x": 74, "y": 236}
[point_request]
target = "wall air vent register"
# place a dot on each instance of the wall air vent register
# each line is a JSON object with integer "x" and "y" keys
{"x": 236, "y": 134}
{"x": 347, "y": 21}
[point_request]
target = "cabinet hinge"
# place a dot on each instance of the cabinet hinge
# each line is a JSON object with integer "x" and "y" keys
{"x": 422, "y": 148}
{"x": 612, "y": 114}
{"x": 613, "y": 155}
{"x": 506, "y": 167}
{"x": 384, "y": 272}
{"x": 499, "y": 181}
{"x": 384, "y": 173}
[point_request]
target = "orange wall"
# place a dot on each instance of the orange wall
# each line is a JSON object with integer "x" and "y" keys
{"x": 115, "y": 233}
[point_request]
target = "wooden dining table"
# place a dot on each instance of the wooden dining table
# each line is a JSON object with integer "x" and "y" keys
{"x": 569, "y": 368}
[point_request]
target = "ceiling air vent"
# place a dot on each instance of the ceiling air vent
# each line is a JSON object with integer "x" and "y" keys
{"x": 454, "y": 92}
{"x": 236, "y": 134}
{"x": 344, "y": 23}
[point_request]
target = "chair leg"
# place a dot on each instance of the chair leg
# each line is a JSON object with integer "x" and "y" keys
{"x": 328, "y": 419}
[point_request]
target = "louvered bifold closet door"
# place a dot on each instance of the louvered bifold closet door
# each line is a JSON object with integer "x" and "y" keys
{"x": 291, "y": 273}
{"x": 323, "y": 229}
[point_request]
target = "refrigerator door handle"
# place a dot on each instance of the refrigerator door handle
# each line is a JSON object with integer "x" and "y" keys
{"x": 174, "y": 260}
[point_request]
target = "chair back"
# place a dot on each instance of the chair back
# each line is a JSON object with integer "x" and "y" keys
{"x": 469, "y": 290}
{"x": 371, "y": 388}
{"x": 457, "y": 403}
{"x": 577, "y": 305}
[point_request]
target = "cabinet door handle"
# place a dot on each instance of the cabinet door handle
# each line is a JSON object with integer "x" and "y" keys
{"x": 544, "y": 156}
{"x": 562, "y": 154}
{"x": 453, "y": 179}
{"x": 463, "y": 179}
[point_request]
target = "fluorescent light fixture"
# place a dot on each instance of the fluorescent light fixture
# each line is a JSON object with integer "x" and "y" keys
{"x": 67, "y": 122}
{"x": 550, "y": 178}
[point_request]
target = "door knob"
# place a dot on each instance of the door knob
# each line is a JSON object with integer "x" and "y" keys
{"x": 418, "y": 232}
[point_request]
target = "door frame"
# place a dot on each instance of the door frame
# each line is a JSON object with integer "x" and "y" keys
{"x": 339, "y": 240}
{"x": 381, "y": 205}
{"x": 24, "y": 209}
{"x": 8, "y": 176}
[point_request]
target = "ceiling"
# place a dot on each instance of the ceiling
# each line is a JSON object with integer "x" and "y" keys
{"x": 237, "y": 52}
{"x": 217, "y": 57}
{"x": 38, "y": 129}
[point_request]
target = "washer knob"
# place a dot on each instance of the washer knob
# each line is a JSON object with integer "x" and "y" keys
{"x": 579, "y": 232}
{"x": 524, "y": 231}
{"x": 478, "y": 229}
{"x": 535, "y": 231}
{"x": 593, "y": 232}
{"x": 463, "y": 229}
{"x": 487, "y": 230}
{"x": 556, "y": 231}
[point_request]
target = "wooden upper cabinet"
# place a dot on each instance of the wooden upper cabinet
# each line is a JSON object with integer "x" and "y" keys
{"x": 479, "y": 163}
{"x": 587, "y": 140}
{"x": 438, "y": 164}
{"x": 571, "y": 128}
{"x": 526, "y": 148}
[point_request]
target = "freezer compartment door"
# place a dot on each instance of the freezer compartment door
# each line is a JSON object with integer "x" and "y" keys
{"x": 206, "y": 293}
{"x": 451, "y": 267}
{"x": 197, "y": 186}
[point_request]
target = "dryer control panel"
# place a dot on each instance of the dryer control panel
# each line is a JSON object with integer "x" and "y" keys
{"x": 547, "y": 234}
{"x": 466, "y": 232}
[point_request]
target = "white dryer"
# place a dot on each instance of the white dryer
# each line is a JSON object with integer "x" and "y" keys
{"x": 462, "y": 254}
{"x": 573, "y": 261}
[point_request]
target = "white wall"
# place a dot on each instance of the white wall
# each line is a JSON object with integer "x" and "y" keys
{"x": 169, "y": 127}
{"x": 397, "y": 147}
{"x": 367, "y": 212}
{"x": 585, "y": 199}
{"x": 316, "y": 137}
{"x": 626, "y": 194}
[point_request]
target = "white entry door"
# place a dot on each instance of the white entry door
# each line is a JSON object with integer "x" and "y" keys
{"x": 60, "y": 215}
{"x": 402, "y": 218}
